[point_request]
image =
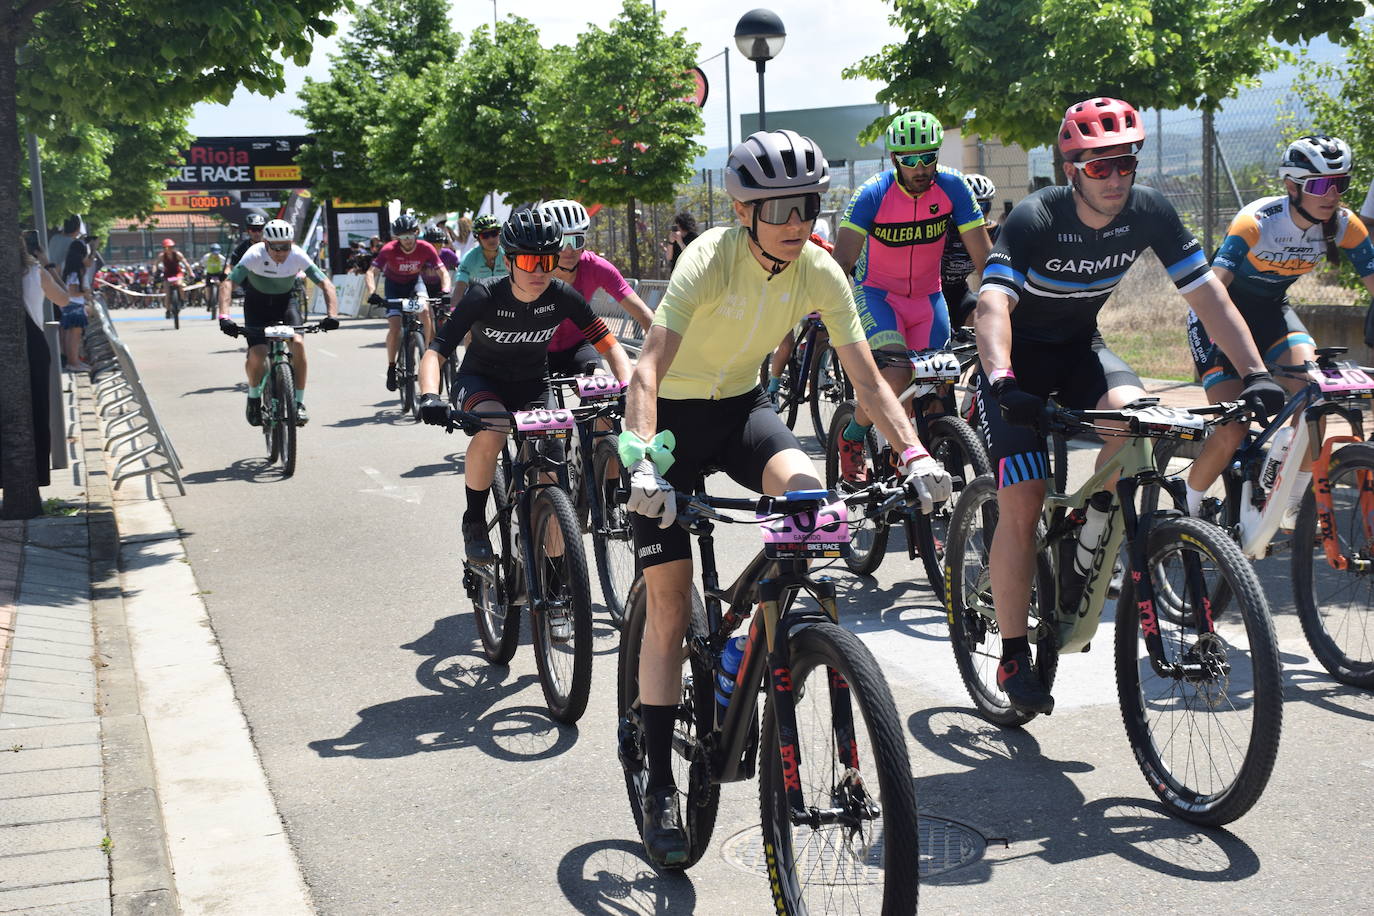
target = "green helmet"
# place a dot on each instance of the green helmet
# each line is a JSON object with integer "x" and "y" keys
{"x": 485, "y": 223}
{"x": 914, "y": 131}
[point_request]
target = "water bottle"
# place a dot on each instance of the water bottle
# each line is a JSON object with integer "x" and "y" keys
{"x": 729, "y": 664}
{"x": 1278, "y": 450}
{"x": 1077, "y": 558}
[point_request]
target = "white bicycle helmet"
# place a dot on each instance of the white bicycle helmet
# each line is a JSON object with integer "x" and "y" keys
{"x": 1315, "y": 155}
{"x": 569, "y": 214}
{"x": 981, "y": 186}
{"x": 278, "y": 230}
{"x": 776, "y": 163}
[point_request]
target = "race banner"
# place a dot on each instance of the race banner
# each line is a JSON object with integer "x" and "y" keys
{"x": 236, "y": 163}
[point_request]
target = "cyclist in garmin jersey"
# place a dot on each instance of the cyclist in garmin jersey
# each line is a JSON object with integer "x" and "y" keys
{"x": 891, "y": 237}
{"x": 956, "y": 263}
{"x": 267, "y": 272}
{"x": 512, "y": 319}
{"x": 1060, "y": 255}
{"x": 485, "y": 259}
{"x": 1271, "y": 243}
{"x": 695, "y": 403}
{"x": 569, "y": 351}
{"x": 403, "y": 261}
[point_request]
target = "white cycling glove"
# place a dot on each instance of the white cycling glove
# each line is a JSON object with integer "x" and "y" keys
{"x": 651, "y": 495}
{"x": 925, "y": 479}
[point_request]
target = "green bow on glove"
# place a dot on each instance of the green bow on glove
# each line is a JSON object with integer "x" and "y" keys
{"x": 659, "y": 451}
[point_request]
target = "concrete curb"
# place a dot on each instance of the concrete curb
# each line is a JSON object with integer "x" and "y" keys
{"x": 141, "y": 879}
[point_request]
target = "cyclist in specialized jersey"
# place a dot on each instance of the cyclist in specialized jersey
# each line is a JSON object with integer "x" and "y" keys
{"x": 267, "y": 272}
{"x": 175, "y": 271}
{"x": 956, "y": 263}
{"x": 437, "y": 284}
{"x": 695, "y": 403}
{"x": 1060, "y": 254}
{"x": 485, "y": 260}
{"x": 569, "y": 351}
{"x": 1271, "y": 243}
{"x": 891, "y": 237}
{"x": 402, "y": 261}
{"x": 512, "y": 319}
{"x": 252, "y": 227}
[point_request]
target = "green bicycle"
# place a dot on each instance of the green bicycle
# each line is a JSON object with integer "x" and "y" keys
{"x": 279, "y": 416}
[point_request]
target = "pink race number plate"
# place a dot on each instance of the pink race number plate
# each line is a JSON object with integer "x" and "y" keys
{"x": 823, "y": 533}
{"x": 544, "y": 424}
{"x": 591, "y": 387}
{"x": 1346, "y": 378}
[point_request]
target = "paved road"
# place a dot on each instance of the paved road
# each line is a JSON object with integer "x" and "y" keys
{"x": 414, "y": 777}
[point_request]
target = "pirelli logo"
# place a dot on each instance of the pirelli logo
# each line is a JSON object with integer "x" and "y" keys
{"x": 277, "y": 172}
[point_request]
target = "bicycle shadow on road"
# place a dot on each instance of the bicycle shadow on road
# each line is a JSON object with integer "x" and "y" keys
{"x": 241, "y": 387}
{"x": 1049, "y": 817}
{"x": 908, "y": 607}
{"x": 613, "y": 878}
{"x": 254, "y": 470}
{"x": 462, "y": 711}
{"x": 451, "y": 464}
{"x": 389, "y": 416}
{"x": 1314, "y": 686}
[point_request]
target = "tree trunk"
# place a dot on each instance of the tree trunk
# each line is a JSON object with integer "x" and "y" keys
{"x": 632, "y": 233}
{"x": 17, "y": 467}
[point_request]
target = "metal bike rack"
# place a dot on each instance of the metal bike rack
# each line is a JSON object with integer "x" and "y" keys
{"x": 121, "y": 401}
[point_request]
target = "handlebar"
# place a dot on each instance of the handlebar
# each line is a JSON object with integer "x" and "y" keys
{"x": 877, "y": 499}
{"x": 1145, "y": 418}
{"x": 298, "y": 328}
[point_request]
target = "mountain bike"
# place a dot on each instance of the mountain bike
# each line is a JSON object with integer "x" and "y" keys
{"x": 279, "y": 416}
{"x": 1200, "y": 690}
{"x": 177, "y": 301}
{"x": 599, "y": 479}
{"x": 836, "y": 798}
{"x": 813, "y": 375}
{"x": 949, "y": 439}
{"x": 448, "y": 372}
{"x": 541, "y": 566}
{"x": 412, "y": 347}
{"x": 1332, "y": 540}
{"x": 212, "y": 294}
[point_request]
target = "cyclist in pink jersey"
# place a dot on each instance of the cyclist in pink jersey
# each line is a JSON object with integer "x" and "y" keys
{"x": 403, "y": 261}
{"x": 891, "y": 239}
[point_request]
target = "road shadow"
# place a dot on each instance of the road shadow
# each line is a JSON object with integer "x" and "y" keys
{"x": 1050, "y": 818}
{"x": 240, "y": 387}
{"x": 451, "y": 465}
{"x": 390, "y": 416}
{"x": 1318, "y": 688}
{"x": 614, "y": 878}
{"x": 464, "y": 709}
{"x": 256, "y": 470}
{"x": 909, "y": 606}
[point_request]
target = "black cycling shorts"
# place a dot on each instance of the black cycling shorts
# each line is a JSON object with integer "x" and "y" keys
{"x": 512, "y": 394}
{"x": 261, "y": 309}
{"x": 736, "y": 435}
{"x": 563, "y": 363}
{"x": 400, "y": 289}
{"x": 1274, "y": 327}
{"x": 1077, "y": 374}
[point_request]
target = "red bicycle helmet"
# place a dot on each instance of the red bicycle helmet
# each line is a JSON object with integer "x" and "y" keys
{"x": 1099, "y": 122}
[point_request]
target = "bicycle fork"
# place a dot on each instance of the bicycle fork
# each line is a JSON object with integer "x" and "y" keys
{"x": 1326, "y": 512}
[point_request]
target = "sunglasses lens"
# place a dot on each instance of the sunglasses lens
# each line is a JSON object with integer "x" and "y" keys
{"x": 576, "y": 241}
{"x": 779, "y": 210}
{"x": 1103, "y": 168}
{"x": 533, "y": 262}
{"x": 407, "y": 236}
{"x": 1320, "y": 186}
{"x": 911, "y": 160}
{"x": 489, "y": 235}
{"x": 280, "y": 247}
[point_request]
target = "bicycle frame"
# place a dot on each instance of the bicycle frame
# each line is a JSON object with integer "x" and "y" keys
{"x": 586, "y": 418}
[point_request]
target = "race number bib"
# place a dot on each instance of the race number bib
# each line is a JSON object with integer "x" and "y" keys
{"x": 595, "y": 387}
{"x": 822, "y": 533}
{"x": 543, "y": 423}
{"x": 1349, "y": 380}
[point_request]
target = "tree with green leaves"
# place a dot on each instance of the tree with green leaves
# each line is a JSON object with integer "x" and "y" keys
{"x": 367, "y": 117}
{"x": 84, "y": 58}
{"x": 1014, "y": 66}
{"x": 628, "y": 119}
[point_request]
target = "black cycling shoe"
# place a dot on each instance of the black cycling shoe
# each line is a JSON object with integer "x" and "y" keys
{"x": 477, "y": 543}
{"x": 302, "y": 417}
{"x": 665, "y": 842}
{"x": 391, "y": 378}
{"x": 1018, "y": 679}
{"x": 253, "y": 411}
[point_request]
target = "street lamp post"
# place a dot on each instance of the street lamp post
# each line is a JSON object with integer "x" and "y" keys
{"x": 759, "y": 35}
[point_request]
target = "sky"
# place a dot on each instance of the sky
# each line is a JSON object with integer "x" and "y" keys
{"x": 822, "y": 39}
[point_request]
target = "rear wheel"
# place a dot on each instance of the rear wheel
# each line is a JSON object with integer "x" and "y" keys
{"x": 563, "y": 624}
{"x": 961, "y": 452}
{"x": 785, "y": 398}
{"x": 612, "y": 540}
{"x": 867, "y": 542}
{"x": 176, "y": 307}
{"x": 850, "y": 761}
{"x": 498, "y": 618}
{"x": 284, "y": 385}
{"x": 975, "y": 636}
{"x": 695, "y": 715}
{"x": 1203, "y": 721}
{"x": 829, "y": 386}
{"x": 1336, "y": 606}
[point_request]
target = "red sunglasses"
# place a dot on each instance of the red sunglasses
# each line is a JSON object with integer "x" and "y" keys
{"x": 1103, "y": 168}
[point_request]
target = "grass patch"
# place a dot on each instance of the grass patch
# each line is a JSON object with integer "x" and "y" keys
{"x": 1161, "y": 353}
{"x": 59, "y": 507}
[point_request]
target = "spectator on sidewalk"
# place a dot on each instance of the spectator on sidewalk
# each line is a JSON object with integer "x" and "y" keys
{"x": 77, "y": 261}
{"x": 60, "y": 241}
{"x": 682, "y": 233}
{"x": 37, "y": 284}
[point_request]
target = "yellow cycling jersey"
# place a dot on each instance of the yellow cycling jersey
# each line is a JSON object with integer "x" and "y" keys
{"x": 731, "y": 315}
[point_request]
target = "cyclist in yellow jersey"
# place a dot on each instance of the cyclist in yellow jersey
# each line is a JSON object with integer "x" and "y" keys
{"x": 694, "y": 403}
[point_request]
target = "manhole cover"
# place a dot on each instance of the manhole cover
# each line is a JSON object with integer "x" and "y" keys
{"x": 945, "y": 846}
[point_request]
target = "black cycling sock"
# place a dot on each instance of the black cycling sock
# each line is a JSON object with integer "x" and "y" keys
{"x": 477, "y": 505}
{"x": 1015, "y": 645}
{"x": 658, "y": 745}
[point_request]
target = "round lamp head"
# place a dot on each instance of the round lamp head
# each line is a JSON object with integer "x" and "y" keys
{"x": 760, "y": 35}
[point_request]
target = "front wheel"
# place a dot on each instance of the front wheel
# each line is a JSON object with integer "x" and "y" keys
{"x": 867, "y": 542}
{"x": 612, "y": 540}
{"x": 284, "y": 383}
{"x": 849, "y": 761}
{"x": 176, "y": 308}
{"x": 961, "y": 452}
{"x": 414, "y": 349}
{"x": 1336, "y": 606}
{"x": 829, "y": 386}
{"x": 974, "y": 633}
{"x": 498, "y": 618}
{"x": 563, "y": 621}
{"x": 693, "y": 722}
{"x": 1204, "y": 720}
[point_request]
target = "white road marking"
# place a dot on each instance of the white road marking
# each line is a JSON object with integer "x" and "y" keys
{"x": 326, "y": 352}
{"x": 395, "y": 491}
